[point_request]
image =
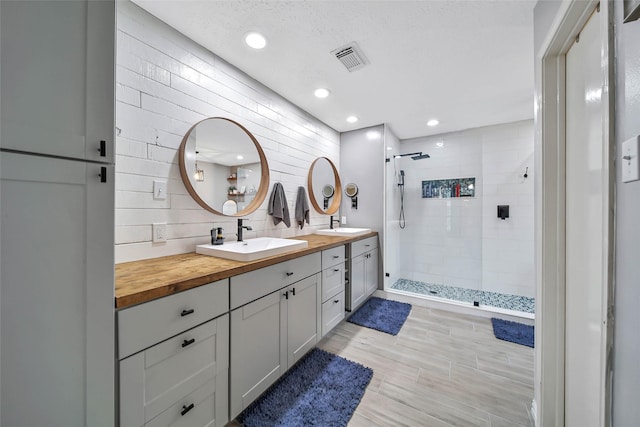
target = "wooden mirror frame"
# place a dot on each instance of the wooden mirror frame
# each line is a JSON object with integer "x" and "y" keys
{"x": 337, "y": 194}
{"x": 261, "y": 194}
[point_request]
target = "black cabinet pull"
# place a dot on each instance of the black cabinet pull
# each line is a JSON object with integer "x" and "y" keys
{"x": 186, "y": 409}
{"x": 188, "y": 342}
{"x": 290, "y": 273}
{"x": 336, "y": 256}
{"x": 103, "y": 174}
{"x": 286, "y": 295}
{"x": 336, "y": 269}
{"x": 336, "y": 301}
{"x": 187, "y": 312}
{"x": 103, "y": 148}
{"x": 293, "y": 291}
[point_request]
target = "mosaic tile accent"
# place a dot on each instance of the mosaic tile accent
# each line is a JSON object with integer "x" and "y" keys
{"x": 493, "y": 299}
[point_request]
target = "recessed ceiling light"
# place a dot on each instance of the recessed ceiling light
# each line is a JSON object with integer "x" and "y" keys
{"x": 389, "y": 148}
{"x": 255, "y": 40}
{"x": 321, "y": 92}
{"x": 432, "y": 122}
{"x": 352, "y": 119}
{"x": 240, "y": 157}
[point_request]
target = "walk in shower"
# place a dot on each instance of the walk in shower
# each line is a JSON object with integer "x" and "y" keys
{"x": 459, "y": 218}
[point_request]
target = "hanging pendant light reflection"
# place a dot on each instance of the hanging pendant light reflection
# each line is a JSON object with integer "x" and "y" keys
{"x": 199, "y": 175}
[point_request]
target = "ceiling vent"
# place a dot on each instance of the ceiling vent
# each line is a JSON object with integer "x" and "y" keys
{"x": 351, "y": 56}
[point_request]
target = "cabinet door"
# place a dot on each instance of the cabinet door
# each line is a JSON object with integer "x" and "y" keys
{"x": 302, "y": 318}
{"x": 371, "y": 271}
{"x": 357, "y": 281}
{"x": 57, "y": 292}
{"x": 57, "y": 79}
{"x": 188, "y": 370}
{"x": 257, "y": 350}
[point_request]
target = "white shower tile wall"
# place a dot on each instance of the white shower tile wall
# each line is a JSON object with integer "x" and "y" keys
{"x": 460, "y": 242}
{"x": 166, "y": 83}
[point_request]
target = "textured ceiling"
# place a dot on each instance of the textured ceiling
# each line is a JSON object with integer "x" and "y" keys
{"x": 466, "y": 63}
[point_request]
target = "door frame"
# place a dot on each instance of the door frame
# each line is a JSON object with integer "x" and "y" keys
{"x": 550, "y": 215}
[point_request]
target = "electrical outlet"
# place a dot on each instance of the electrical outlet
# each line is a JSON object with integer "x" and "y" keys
{"x": 160, "y": 190}
{"x": 344, "y": 220}
{"x": 159, "y": 232}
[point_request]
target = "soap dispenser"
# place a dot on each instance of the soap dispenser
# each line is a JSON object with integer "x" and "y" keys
{"x": 216, "y": 236}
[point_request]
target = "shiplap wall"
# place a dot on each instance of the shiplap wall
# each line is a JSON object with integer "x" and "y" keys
{"x": 165, "y": 83}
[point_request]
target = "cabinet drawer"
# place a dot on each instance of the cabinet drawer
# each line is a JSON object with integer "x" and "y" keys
{"x": 332, "y": 257}
{"x": 332, "y": 312}
{"x": 198, "y": 409}
{"x": 255, "y": 284}
{"x": 146, "y": 324}
{"x": 160, "y": 377}
{"x": 332, "y": 281}
{"x": 364, "y": 245}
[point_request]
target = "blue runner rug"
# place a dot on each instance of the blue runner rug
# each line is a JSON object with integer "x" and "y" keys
{"x": 513, "y": 331}
{"x": 321, "y": 389}
{"x": 382, "y": 315}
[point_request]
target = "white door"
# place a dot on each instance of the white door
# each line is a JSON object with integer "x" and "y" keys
{"x": 56, "y": 292}
{"x": 585, "y": 229}
{"x": 58, "y": 77}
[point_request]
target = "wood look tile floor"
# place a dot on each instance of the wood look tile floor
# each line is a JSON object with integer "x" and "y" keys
{"x": 442, "y": 369}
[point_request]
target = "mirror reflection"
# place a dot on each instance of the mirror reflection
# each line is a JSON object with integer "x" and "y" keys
{"x": 223, "y": 167}
{"x": 324, "y": 186}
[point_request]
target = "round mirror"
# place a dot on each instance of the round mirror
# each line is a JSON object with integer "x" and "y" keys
{"x": 328, "y": 190}
{"x": 324, "y": 186}
{"x": 351, "y": 190}
{"x": 221, "y": 161}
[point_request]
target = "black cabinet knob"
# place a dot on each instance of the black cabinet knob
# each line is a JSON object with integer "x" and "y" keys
{"x": 187, "y": 312}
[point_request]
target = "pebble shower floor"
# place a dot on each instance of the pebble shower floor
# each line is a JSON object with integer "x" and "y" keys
{"x": 493, "y": 299}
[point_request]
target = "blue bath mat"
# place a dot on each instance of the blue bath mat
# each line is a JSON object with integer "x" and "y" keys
{"x": 513, "y": 331}
{"x": 321, "y": 389}
{"x": 382, "y": 315}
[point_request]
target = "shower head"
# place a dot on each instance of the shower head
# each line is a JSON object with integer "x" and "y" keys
{"x": 415, "y": 156}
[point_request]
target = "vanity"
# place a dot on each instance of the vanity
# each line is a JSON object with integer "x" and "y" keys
{"x": 202, "y": 337}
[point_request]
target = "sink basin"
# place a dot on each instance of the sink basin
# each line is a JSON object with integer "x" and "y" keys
{"x": 252, "y": 249}
{"x": 343, "y": 231}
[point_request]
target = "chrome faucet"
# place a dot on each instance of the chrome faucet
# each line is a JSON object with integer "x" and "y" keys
{"x": 240, "y": 227}
{"x": 332, "y": 221}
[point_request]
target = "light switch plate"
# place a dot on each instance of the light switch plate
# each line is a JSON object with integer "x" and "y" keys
{"x": 159, "y": 190}
{"x": 629, "y": 160}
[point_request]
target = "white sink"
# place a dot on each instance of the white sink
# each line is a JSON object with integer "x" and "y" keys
{"x": 343, "y": 231}
{"x": 252, "y": 249}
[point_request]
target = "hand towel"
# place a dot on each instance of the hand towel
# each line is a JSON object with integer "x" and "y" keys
{"x": 302, "y": 207}
{"x": 278, "y": 205}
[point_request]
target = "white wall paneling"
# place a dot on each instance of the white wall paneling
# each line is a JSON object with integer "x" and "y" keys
{"x": 165, "y": 83}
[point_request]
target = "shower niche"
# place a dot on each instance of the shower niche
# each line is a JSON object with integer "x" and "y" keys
{"x": 449, "y": 188}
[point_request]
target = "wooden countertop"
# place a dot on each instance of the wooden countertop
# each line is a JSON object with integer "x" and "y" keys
{"x": 145, "y": 280}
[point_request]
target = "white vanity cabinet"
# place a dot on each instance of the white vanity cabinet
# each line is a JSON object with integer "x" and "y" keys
{"x": 333, "y": 290}
{"x": 363, "y": 271}
{"x": 274, "y": 322}
{"x": 174, "y": 359}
